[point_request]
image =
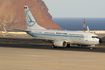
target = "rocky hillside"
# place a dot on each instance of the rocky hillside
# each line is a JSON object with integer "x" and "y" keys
{"x": 12, "y": 14}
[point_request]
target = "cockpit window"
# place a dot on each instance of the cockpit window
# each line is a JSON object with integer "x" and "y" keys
{"x": 95, "y": 37}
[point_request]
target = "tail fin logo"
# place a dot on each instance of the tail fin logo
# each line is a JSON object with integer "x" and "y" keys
{"x": 30, "y": 23}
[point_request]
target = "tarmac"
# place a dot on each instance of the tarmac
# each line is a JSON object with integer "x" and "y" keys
{"x": 43, "y": 57}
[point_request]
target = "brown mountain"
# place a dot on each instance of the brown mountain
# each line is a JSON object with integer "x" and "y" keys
{"x": 12, "y": 14}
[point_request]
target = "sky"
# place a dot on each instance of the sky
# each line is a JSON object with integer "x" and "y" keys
{"x": 76, "y": 8}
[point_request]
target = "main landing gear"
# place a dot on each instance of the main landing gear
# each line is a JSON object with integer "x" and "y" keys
{"x": 53, "y": 46}
{"x": 68, "y": 46}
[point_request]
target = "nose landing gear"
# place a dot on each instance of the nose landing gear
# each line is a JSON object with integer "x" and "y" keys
{"x": 92, "y": 46}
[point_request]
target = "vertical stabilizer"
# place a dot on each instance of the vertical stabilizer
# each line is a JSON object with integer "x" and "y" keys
{"x": 31, "y": 22}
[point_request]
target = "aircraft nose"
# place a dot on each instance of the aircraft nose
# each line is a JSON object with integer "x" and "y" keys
{"x": 100, "y": 40}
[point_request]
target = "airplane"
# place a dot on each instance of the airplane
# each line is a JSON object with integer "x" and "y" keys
{"x": 59, "y": 38}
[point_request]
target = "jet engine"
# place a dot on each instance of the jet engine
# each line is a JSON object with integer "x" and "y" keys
{"x": 60, "y": 43}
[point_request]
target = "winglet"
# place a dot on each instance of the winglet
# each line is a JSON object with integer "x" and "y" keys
{"x": 88, "y": 29}
{"x": 5, "y": 30}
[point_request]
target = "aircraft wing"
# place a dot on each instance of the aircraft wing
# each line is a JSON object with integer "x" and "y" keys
{"x": 41, "y": 38}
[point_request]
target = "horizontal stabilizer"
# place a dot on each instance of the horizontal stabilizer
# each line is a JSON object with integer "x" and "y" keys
{"x": 22, "y": 30}
{"x": 5, "y": 30}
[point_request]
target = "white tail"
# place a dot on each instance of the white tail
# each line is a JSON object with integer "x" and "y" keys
{"x": 31, "y": 22}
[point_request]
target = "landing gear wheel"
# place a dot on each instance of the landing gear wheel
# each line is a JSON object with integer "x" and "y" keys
{"x": 91, "y": 48}
{"x": 68, "y": 46}
{"x": 53, "y": 46}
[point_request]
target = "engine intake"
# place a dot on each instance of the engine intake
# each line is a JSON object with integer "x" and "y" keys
{"x": 60, "y": 43}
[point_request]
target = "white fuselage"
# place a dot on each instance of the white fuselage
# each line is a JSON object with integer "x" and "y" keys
{"x": 72, "y": 37}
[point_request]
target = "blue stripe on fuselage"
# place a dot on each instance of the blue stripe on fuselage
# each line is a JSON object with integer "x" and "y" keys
{"x": 56, "y": 35}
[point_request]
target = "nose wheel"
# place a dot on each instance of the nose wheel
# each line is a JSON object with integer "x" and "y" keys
{"x": 92, "y": 46}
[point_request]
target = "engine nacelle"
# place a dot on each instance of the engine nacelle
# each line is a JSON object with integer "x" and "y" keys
{"x": 60, "y": 43}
